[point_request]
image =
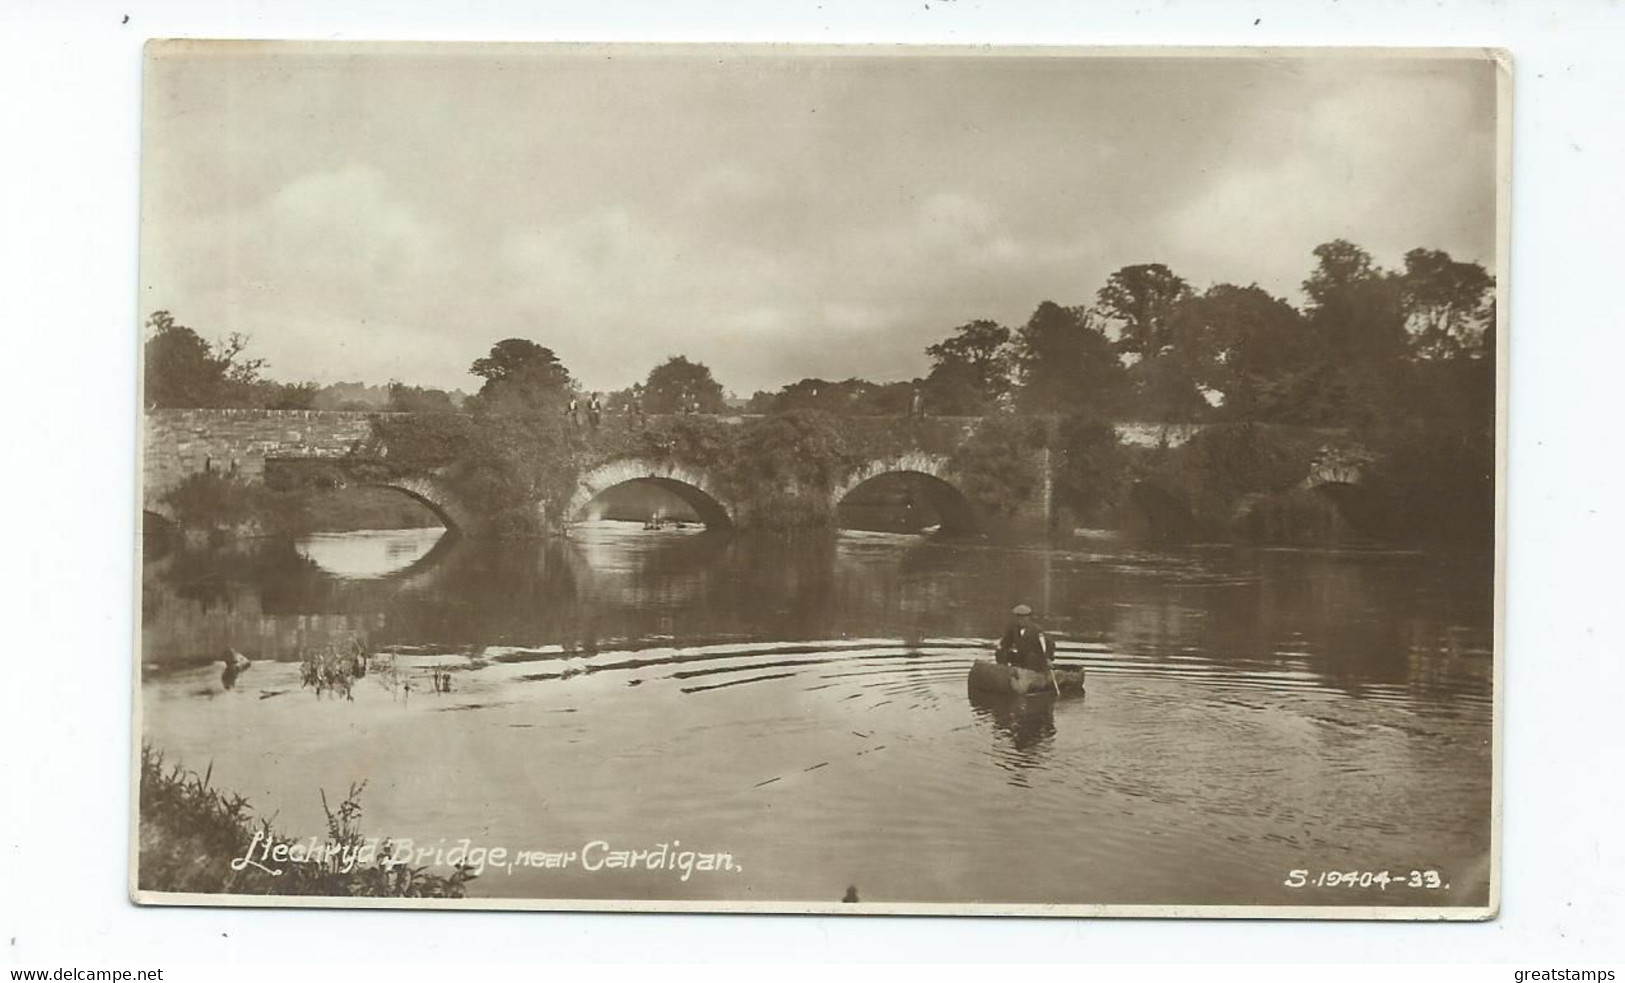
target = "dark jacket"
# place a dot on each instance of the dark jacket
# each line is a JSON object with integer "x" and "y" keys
{"x": 1028, "y": 647}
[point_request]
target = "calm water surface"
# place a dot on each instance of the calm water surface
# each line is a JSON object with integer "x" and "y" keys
{"x": 802, "y": 707}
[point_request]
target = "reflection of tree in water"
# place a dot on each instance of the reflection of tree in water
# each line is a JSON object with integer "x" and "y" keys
{"x": 489, "y": 593}
{"x": 1352, "y": 619}
{"x": 638, "y": 583}
{"x": 769, "y": 587}
{"x": 1349, "y": 620}
{"x": 217, "y": 577}
{"x": 936, "y": 587}
{"x": 197, "y": 603}
{"x": 611, "y": 586}
{"x": 874, "y": 587}
{"x": 1025, "y": 725}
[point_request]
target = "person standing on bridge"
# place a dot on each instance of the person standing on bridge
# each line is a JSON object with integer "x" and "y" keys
{"x": 916, "y": 404}
{"x": 572, "y": 411}
{"x": 595, "y": 411}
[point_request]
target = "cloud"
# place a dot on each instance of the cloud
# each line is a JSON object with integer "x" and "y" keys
{"x": 623, "y": 212}
{"x": 327, "y": 275}
{"x": 1393, "y": 164}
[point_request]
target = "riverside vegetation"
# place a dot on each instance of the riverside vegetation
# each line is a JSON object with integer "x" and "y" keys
{"x": 190, "y": 832}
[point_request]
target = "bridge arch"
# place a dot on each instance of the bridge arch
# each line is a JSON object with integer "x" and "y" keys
{"x": 930, "y": 475}
{"x": 1337, "y": 475}
{"x": 693, "y": 485}
{"x": 433, "y": 495}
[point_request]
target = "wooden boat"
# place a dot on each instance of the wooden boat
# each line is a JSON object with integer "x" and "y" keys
{"x": 987, "y": 676}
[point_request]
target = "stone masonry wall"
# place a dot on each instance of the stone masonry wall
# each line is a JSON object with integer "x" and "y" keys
{"x": 181, "y": 442}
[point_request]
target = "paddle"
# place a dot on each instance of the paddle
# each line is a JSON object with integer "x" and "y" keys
{"x": 1051, "y": 661}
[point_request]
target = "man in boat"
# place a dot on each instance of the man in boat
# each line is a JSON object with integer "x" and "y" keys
{"x": 1025, "y": 645}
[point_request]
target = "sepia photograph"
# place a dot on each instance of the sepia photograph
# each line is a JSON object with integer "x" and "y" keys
{"x": 821, "y": 479}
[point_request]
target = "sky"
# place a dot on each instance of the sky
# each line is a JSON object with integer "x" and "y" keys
{"x": 373, "y": 213}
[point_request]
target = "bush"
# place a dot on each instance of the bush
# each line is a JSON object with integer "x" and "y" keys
{"x": 997, "y": 467}
{"x": 423, "y": 442}
{"x": 1437, "y": 486}
{"x": 1298, "y": 517}
{"x": 781, "y": 470}
{"x": 219, "y": 505}
{"x": 1223, "y": 464}
{"x": 700, "y": 441}
{"x": 1089, "y": 467}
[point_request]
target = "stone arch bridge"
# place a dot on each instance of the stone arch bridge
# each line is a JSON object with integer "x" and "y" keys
{"x": 261, "y": 445}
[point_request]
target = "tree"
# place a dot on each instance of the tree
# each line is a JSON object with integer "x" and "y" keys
{"x": 1262, "y": 349}
{"x": 180, "y": 366}
{"x": 1166, "y": 387}
{"x": 418, "y": 399}
{"x": 183, "y": 370}
{"x": 1143, "y": 302}
{"x": 956, "y": 388}
{"x": 805, "y": 394}
{"x": 1066, "y": 364}
{"x": 676, "y": 385}
{"x": 1357, "y": 320}
{"x": 287, "y": 395}
{"x": 849, "y": 397}
{"x": 978, "y": 353}
{"x": 521, "y": 377}
{"x": 1449, "y": 306}
{"x": 1355, "y": 306}
{"x": 351, "y": 396}
{"x": 886, "y": 398}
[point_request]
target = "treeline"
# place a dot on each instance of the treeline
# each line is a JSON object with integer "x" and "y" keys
{"x": 522, "y": 377}
{"x": 1369, "y": 347}
{"x": 183, "y": 370}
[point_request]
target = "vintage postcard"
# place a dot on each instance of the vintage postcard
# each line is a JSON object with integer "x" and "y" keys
{"x": 821, "y": 479}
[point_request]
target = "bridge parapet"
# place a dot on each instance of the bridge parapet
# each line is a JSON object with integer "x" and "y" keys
{"x": 180, "y": 442}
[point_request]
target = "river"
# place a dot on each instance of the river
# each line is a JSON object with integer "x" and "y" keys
{"x": 800, "y": 706}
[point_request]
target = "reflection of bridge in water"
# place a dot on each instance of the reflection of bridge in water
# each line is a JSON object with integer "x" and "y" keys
{"x": 271, "y": 601}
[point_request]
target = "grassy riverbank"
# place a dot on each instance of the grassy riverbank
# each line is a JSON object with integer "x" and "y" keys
{"x": 191, "y": 833}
